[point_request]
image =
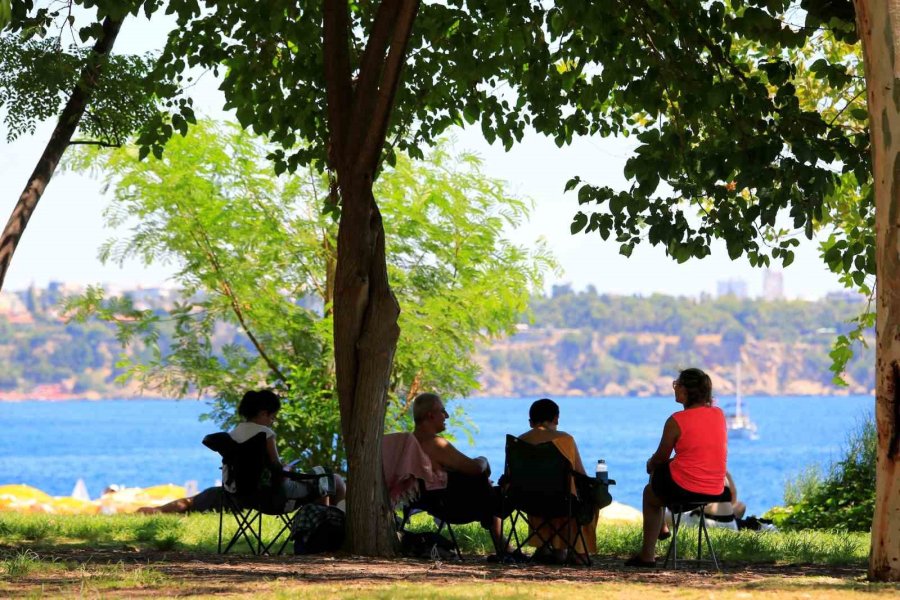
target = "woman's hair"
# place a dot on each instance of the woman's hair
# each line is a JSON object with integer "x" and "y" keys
{"x": 697, "y": 385}
{"x": 257, "y": 401}
{"x": 543, "y": 410}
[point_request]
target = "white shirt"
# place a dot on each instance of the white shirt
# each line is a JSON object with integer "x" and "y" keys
{"x": 246, "y": 430}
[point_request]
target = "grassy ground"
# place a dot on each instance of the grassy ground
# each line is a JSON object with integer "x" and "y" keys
{"x": 199, "y": 533}
{"x": 160, "y": 556}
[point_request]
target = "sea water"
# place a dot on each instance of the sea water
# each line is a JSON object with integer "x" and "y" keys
{"x": 50, "y": 445}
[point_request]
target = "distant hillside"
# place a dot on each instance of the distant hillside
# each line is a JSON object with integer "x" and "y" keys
{"x": 577, "y": 344}
{"x": 588, "y": 344}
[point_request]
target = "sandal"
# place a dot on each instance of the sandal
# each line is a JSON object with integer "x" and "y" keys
{"x": 637, "y": 561}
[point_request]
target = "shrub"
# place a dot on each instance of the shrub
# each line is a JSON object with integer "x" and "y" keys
{"x": 842, "y": 499}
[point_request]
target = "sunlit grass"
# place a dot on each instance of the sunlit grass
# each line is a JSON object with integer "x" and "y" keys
{"x": 199, "y": 533}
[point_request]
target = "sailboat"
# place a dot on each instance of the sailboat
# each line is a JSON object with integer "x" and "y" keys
{"x": 738, "y": 422}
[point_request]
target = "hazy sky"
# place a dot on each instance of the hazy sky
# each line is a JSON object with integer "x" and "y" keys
{"x": 63, "y": 236}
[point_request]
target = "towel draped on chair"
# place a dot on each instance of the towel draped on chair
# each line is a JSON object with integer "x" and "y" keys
{"x": 405, "y": 464}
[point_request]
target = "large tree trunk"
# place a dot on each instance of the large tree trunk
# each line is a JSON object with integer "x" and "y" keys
{"x": 878, "y": 22}
{"x": 365, "y": 336}
{"x": 365, "y": 310}
{"x": 59, "y": 141}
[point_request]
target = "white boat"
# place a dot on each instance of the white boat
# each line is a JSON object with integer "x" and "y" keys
{"x": 738, "y": 422}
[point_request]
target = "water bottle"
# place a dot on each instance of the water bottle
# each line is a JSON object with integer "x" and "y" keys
{"x": 602, "y": 472}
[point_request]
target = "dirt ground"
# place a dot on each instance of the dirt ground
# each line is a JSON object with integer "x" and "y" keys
{"x": 187, "y": 574}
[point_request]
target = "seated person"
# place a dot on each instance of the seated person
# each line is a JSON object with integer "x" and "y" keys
{"x": 699, "y": 438}
{"x": 723, "y": 514}
{"x": 469, "y": 495}
{"x": 259, "y": 409}
{"x": 543, "y": 416}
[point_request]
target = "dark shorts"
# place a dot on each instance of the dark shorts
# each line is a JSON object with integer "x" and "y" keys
{"x": 466, "y": 498}
{"x": 667, "y": 490}
{"x": 208, "y": 500}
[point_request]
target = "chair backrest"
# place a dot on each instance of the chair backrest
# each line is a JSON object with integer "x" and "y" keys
{"x": 248, "y": 473}
{"x": 537, "y": 477}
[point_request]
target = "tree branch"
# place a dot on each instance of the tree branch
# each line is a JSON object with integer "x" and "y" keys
{"x": 95, "y": 143}
{"x": 371, "y": 69}
{"x": 338, "y": 86}
{"x": 371, "y": 149}
{"x": 227, "y": 290}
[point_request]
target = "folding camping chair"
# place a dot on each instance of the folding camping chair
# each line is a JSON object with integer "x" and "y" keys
{"x": 251, "y": 488}
{"x": 685, "y": 505}
{"x": 538, "y": 482}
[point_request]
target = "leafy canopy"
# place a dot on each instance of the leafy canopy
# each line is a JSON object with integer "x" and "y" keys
{"x": 255, "y": 258}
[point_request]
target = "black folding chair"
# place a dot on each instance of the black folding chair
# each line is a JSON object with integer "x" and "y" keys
{"x": 538, "y": 482}
{"x": 251, "y": 488}
{"x": 685, "y": 505}
{"x": 438, "y": 511}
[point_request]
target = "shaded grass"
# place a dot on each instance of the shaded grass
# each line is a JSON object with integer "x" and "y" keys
{"x": 198, "y": 533}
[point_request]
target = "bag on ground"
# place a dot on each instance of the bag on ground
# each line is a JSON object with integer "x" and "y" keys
{"x": 318, "y": 528}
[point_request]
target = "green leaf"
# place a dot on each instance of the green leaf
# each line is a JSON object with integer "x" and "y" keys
{"x": 579, "y": 221}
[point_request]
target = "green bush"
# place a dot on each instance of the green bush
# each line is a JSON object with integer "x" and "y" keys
{"x": 844, "y": 498}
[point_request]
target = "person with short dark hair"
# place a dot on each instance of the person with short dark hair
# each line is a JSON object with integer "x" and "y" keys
{"x": 543, "y": 416}
{"x": 699, "y": 438}
{"x": 259, "y": 409}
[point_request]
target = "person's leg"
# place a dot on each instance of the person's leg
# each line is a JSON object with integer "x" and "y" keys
{"x": 176, "y": 506}
{"x": 720, "y": 509}
{"x": 340, "y": 489}
{"x": 653, "y": 509}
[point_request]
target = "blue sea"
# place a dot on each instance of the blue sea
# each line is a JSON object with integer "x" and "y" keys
{"x": 50, "y": 445}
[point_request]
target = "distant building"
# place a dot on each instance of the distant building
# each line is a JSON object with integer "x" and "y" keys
{"x": 732, "y": 287}
{"x": 847, "y": 296}
{"x": 773, "y": 285}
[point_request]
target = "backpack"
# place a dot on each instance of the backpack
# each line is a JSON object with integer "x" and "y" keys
{"x": 318, "y": 528}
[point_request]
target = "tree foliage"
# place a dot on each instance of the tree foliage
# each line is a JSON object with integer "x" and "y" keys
{"x": 255, "y": 251}
{"x": 45, "y": 48}
{"x": 843, "y": 497}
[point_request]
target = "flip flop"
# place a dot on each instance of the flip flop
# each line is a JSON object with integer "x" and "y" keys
{"x": 637, "y": 561}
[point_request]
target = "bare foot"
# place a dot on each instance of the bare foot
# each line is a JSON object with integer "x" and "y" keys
{"x": 147, "y": 510}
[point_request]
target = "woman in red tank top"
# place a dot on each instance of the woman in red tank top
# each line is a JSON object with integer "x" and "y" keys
{"x": 699, "y": 438}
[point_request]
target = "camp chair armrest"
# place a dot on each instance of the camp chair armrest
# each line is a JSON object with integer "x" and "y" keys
{"x": 305, "y": 476}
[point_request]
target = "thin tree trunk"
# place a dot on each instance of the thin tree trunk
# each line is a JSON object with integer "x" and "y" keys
{"x": 878, "y": 23}
{"x": 59, "y": 141}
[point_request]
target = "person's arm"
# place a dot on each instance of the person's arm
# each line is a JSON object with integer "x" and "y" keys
{"x": 730, "y": 483}
{"x": 452, "y": 459}
{"x": 577, "y": 466}
{"x": 670, "y": 434}
{"x": 272, "y": 451}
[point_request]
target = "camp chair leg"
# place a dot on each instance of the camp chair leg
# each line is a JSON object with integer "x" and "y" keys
{"x": 245, "y": 521}
{"x": 221, "y": 517}
{"x": 709, "y": 546}
{"x": 545, "y": 542}
{"x": 287, "y": 523}
{"x": 673, "y": 544}
{"x": 452, "y": 538}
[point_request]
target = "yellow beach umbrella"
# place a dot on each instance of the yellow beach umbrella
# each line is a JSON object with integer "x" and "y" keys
{"x": 66, "y": 505}
{"x": 23, "y": 493}
{"x": 165, "y": 492}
